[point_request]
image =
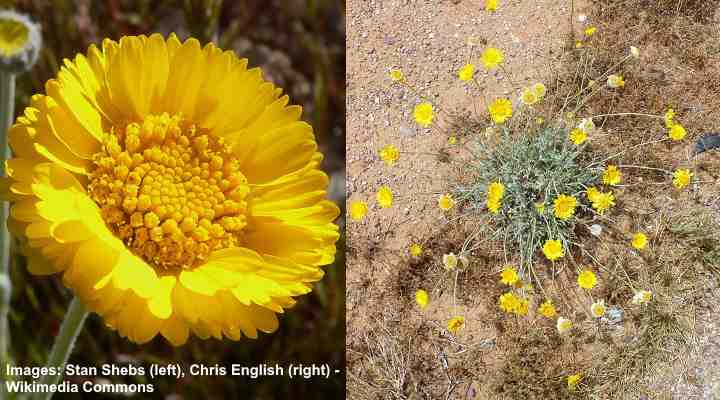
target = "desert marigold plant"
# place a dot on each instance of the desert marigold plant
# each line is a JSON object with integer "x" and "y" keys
{"x": 174, "y": 189}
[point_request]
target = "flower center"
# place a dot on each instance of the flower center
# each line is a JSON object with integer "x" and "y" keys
{"x": 13, "y": 36}
{"x": 171, "y": 192}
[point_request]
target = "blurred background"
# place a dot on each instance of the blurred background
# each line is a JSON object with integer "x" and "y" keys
{"x": 300, "y": 45}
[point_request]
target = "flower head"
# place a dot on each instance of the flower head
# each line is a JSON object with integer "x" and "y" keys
{"x": 385, "y": 197}
{"x": 446, "y": 202}
{"x": 682, "y": 178}
{"x": 452, "y": 140}
{"x": 612, "y": 175}
{"x": 603, "y": 201}
{"x": 677, "y": 132}
{"x": 397, "y": 75}
{"x": 553, "y": 249}
{"x": 424, "y": 114}
{"x": 564, "y": 325}
{"x": 642, "y": 297}
{"x": 592, "y": 194}
{"x": 564, "y": 206}
{"x": 492, "y": 58}
{"x": 547, "y": 309}
{"x": 639, "y": 241}
{"x": 615, "y": 81}
{"x": 491, "y": 5}
{"x": 466, "y": 72}
{"x": 455, "y": 324}
{"x": 509, "y": 275}
{"x": 528, "y": 97}
{"x": 450, "y": 261}
{"x": 421, "y": 298}
{"x": 669, "y": 118}
{"x": 389, "y": 154}
{"x": 587, "y": 279}
{"x": 510, "y": 303}
{"x": 416, "y": 250}
{"x": 597, "y": 309}
{"x": 496, "y": 191}
{"x": 358, "y": 210}
{"x": 590, "y": 30}
{"x": 539, "y": 90}
{"x": 20, "y": 42}
{"x": 500, "y": 110}
{"x": 572, "y": 382}
{"x": 578, "y": 136}
{"x": 178, "y": 190}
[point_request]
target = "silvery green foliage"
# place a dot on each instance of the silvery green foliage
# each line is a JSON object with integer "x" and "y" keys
{"x": 25, "y": 59}
{"x": 535, "y": 168}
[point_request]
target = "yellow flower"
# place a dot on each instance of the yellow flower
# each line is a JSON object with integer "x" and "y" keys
{"x": 452, "y": 140}
{"x": 615, "y": 81}
{"x": 455, "y": 324}
{"x": 424, "y": 114}
{"x": 385, "y": 197}
{"x": 492, "y": 58}
{"x": 416, "y": 250}
{"x": 564, "y": 325}
{"x": 635, "y": 52}
{"x": 639, "y": 241}
{"x": 175, "y": 188}
{"x": 603, "y": 202}
{"x": 597, "y": 309}
{"x": 539, "y": 90}
{"x": 450, "y": 261}
{"x": 421, "y": 298}
{"x": 579, "y": 44}
{"x": 509, "y": 275}
{"x": 564, "y": 206}
{"x": 528, "y": 97}
{"x": 642, "y": 297}
{"x": 494, "y": 205}
{"x": 500, "y": 110}
{"x": 668, "y": 117}
{"x": 496, "y": 191}
{"x": 358, "y": 210}
{"x": 578, "y": 136}
{"x": 547, "y": 309}
{"x": 491, "y": 5}
{"x": 682, "y": 178}
{"x": 572, "y": 381}
{"x": 592, "y": 194}
{"x": 677, "y": 132}
{"x": 446, "y": 202}
{"x": 20, "y": 42}
{"x": 389, "y": 154}
{"x": 612, "y": 175}
{"x": 466, "y": 72}
{"x": 397, "y": 75}
{"x": 553, "y": 249}
{"x": 522, "y": 307}
{"x": 587, "y": 279}
{"x": 590, "y": 30}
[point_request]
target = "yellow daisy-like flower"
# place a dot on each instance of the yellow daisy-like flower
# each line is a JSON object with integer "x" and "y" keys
{"x": 669, "y": 118}
{"x": 397, "y": 75}
{"x": 446, "y": 202}
{"x": 492, "y": 58}
{"x": 528, "y": 97}
{"x": 385, "y": 197}
{"x": 553, "y": 249}
{"x": 587, "y": 279}
{"x": 424, "y": 114}
{"x": 612, "y": 175}
{"x": 455, "y": 324}
{"x": 494, "y": 205}
{"x": 639, "y": 241}
{"x": 416, "y": 250}
{"x": 597, "y": 309}
{"x": 450, "y": 261}
{"x": 358, "y": 210}
{"x": 564, "y": 325}
{"x": 500, "y": 110}
{"x": 590, "y": 30}
{"x": 682, "y": 178}
{"x": 508, "y": 302}
{"x": 564, "y": 206}
{"x": 573, "y": 381}
{"x": 547, "y": 309}
{"x": 539, "y": 90}
{"x": 603, "y": 201}
{"x": 578, "y": 136}
{"x": 677, "y": 132}
{"x": 390, "y": 154}
{"x": 452, "y": 140}
{"x": 579, "y": 44}
{"x": 615, "y": 81}
{"x": 466, "y": 72}
{"x": 496, "y": 190}
{"x": 491, "y": 5}
{"x": 422, "y": 298}
{"x": 174, "y": 189}
{"x": 592, "y": 194}
{"x": 509, "y": 275}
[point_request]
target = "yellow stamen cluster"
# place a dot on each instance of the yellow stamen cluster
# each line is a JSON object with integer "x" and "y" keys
{"x": 170, "y": 191}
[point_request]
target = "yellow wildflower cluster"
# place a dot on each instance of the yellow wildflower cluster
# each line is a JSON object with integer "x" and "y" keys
{"x": 601, "y": 201}
{"x": 500, "y": 110}
{"x": 496, "y": 191}
{"x": 512, "y": 304}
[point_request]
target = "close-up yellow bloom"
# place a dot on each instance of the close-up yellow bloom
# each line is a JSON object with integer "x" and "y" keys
{"x": 682, "y": 178}
{"x": 564, "y": 206}
{"x": 590, "y": 30}
{"x": 174, "y": 189}
{"x": 510, "y": 303}
{"x": 384, "y": 197}
{"x": 528, "y": 97}
{"x": 592, "y": 194}
{"x": 587, "y": 279}
{"x": 455, "y": 324}
{"x": 416, "y": 250}
{"x": 597, "y": 309}
{"x": 500, "y": 110}
{"x": 612, "y": 175}
{"x": 466, "y": 72}
{"x": 639, "y": 241}
{"x": 446, "y": 202}
{"x": 397, "y": 75}
{"x": 615, "y": 81}
{"x": 539, "y": 89}
{"x": 452, "y": 140}
{"x": 573, "y": 381}
{"x": 496, "y": 190}
{"x": 492, "y": 58}
{"x": 422, "y": 298}
{"x": 564, "y": 325}
{"x": 677, "y": 132}
{"x": 424, "y": 114}
{"x": 509, "y": 275}
{"x": 578, "y": 136}
{"x": 491, "y": 5}
{"x": 603, "y": 201}
{"x": 553, "y": 249}
{"x": 358, "y": 210}
{"x": 547, "y": 309}
{"x": 389, "y": 154}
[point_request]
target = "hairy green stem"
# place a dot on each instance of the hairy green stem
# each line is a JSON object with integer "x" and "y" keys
{"x": 64, "y": 343}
